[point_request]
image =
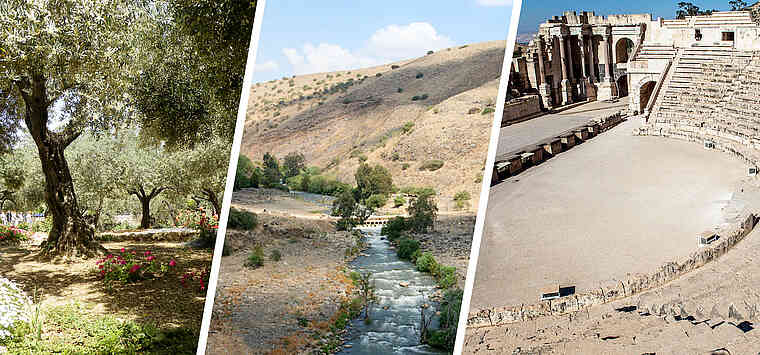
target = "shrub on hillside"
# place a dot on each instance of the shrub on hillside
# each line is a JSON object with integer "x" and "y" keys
{"x": 276, "y": 255}
{"x": 461, "y": 199}
{"x": 394, "y": 66}
{"x": 399, "y": 201}
{"x": 431, "y": 165}
{"x": 376, "y": 201}
{"x": 255, "y": 258}
{"x": 419, "y": 76}
{"x": 407, "y": 247}
{"x": 404, "y": 166}
{"x": 242, "y": 220}
{"x": 487, "y": 110}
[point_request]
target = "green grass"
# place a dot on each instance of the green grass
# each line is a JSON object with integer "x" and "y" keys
{"x": 71, "y": 329}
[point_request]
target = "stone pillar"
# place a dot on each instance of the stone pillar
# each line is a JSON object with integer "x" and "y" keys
{"x": 607, "y": 86}
{"x": 544, "y": 88}
{"x": 594, "y": 59}
{"x": 567, "y": 89}
{"x": 608, "y": 68}
{"x": 584, "y": 52}
{"x": 583, "y": 87}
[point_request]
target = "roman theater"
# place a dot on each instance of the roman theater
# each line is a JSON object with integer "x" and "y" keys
{"x": 622, "y": 212}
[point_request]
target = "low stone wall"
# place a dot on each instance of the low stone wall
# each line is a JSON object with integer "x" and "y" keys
{"x": 729, "y": 237}
{"x": 519, "y": 108}
{"x": 150, "y": 235}
{"x": 515, "y": 162}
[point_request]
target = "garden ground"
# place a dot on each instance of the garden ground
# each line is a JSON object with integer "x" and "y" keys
{"x": 163, "y": 302}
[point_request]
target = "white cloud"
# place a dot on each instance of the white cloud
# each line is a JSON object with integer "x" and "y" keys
{"x": 390, "y": 43}
{"x": 413, "y": 40}
{"x": 495, "y": 2}
{"x": 267, "y": 66}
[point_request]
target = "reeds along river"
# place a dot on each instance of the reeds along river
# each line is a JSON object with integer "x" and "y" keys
{"x": 395, "y": 316}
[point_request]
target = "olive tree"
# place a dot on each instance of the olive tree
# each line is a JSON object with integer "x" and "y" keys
{"x": 203, "y": 172}
{"x": 72, "y": 56}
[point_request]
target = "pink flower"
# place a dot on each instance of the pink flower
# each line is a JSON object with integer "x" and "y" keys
{"x": 172, "y": 263}
{"x": 150, "y": 258}
{"x": 134, "y": 269}
{"x": 134, "y": 252}
{"x": 109, "y": 256}
{"x": 100, "y": 266}
{"x": 147, "y": 253}
{"x": 123, "y": 250}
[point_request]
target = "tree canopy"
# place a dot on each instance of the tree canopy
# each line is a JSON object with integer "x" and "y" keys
{"x": 172, "y": 68}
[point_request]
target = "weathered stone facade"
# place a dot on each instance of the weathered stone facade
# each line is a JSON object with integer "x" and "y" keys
{"x": 652, "y": 62}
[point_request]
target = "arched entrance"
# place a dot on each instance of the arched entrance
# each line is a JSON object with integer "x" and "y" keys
{"x": 622, "y": 85}
{"x": 645, "y": 93}
{"x": 623, "y": 50}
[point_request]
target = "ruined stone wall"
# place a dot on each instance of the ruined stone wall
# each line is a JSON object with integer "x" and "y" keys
{"x": 519, "y": 108}
{"x": 730, "y": 236}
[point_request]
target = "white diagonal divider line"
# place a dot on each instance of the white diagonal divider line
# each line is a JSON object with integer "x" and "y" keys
{"x": 486, "y": 185}
{"x": 231, "y": 171}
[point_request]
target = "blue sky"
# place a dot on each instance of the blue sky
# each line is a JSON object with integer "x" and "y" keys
{"x": 535, "y": 12}
{"x": 301, "y": 37}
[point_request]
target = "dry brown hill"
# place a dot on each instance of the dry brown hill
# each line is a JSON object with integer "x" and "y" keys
{"x": 337, "y": 119}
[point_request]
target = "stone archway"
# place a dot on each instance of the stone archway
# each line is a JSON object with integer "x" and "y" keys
{"x": 622, "y": 85}
{"x": 645, "y": 93}
{"x": 623, "y": 50}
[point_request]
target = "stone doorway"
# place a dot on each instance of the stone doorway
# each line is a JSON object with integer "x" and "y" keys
{"x": 645, "y": 93}
{"x": 622, "y": 85}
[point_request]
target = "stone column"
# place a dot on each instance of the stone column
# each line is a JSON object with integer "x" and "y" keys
{"x": 608, "y": 65}
{"x": 544, "y": 88}
{"x": 567, "y": 89}
{"x": 594, "y": 59}
{"x": 607, "y": 86}
{"x": 584, "y": 52}
{"x": 583, "y": 82}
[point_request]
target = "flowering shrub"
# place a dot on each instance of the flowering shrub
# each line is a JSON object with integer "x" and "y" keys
{"x": 200, "y": 280}
{"x": 15, "y": 307}
{"x": 198, "y": 219}
{"x": 129, "y": 267}
{"x": 12, "y": 234}
{"x": 206, "y": 224}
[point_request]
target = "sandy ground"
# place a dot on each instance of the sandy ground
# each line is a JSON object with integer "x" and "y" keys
{"x": 599, "y": 212}
{"x": 258, "y": 310}
{"x": 528, "y": 132}
{"x": 277, "y": 202}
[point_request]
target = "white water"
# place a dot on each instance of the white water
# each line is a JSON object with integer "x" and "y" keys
{"x": 395, "y": 325}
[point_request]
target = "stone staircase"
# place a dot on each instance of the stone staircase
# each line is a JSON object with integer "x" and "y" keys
{"x": 654, "y": 51}
{"x": 714, "y": 92}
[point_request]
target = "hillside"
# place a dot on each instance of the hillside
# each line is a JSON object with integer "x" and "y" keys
{"x": 335, "y": 119}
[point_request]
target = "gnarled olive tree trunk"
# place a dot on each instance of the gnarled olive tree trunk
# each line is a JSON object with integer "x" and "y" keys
{"x": 70, "y": 235}
{"x": 145, "y": 200}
